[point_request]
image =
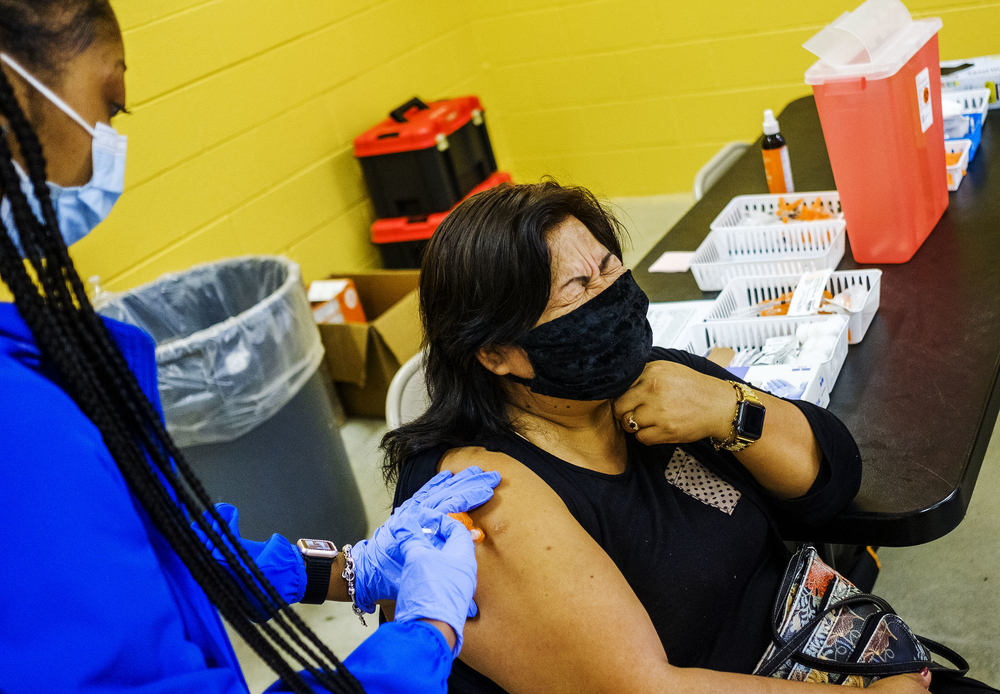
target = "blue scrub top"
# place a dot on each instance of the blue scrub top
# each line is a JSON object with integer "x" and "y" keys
{"x": 92, "y": 597}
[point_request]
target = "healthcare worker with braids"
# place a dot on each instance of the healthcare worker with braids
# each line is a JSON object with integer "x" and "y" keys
{"x": 114, "y": 565}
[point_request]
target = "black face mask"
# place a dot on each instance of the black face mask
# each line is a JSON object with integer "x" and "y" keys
{"x": 595, "y": 352}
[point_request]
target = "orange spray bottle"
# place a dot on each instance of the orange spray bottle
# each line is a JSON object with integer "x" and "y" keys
{"x": 776, "y": 165}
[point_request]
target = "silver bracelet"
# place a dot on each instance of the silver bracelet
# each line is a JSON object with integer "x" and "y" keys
{"x": 348, "y": 576}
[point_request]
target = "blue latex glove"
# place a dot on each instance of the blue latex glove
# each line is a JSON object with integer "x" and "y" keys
{"x": 438, "y": 582}
{"x": 378, "y": 564}
{"x": 278, "y": 559}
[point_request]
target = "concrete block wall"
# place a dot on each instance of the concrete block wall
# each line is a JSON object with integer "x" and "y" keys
{"x": 631, "y": 97}
{"x": 243, "y": 111}
{"x": 243, "y": 115}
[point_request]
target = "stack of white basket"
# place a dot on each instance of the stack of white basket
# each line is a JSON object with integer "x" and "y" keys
{"x": 754, "y": 264}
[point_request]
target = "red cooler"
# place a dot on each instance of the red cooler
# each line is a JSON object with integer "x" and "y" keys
{"x": 402, "y": 240}
{"x": 877, "y": 88}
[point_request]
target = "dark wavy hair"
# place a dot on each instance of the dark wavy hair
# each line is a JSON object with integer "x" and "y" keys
{"x": 484, "y": 283}
{"x": 79, "y": 352}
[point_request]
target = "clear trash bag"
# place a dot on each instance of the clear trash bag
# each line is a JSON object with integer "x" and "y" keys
{"x": 235, "y": 341}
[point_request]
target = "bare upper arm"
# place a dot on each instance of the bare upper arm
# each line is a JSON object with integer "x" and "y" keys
{"x": 556, "y": 614}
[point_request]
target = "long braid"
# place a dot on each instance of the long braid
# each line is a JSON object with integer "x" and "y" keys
{"x": 93, "y": 338}
{"x": 75, "y": 340}
{"x": 17, "y": 280}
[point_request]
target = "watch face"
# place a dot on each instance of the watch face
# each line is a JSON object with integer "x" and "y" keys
{"x": 317, "y": 548}
{"x": 750, "y": 420}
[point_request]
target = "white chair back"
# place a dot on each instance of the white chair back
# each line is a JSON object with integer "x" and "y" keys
{"x": 716, "y": 166}
{"x": 407, "y": 398}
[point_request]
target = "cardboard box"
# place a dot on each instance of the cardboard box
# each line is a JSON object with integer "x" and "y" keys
{"x": 796, "y": 382}
{"x": 363, "y": 357}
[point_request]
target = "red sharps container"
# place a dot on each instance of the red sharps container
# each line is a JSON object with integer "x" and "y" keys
{"x": 878, "y": 91}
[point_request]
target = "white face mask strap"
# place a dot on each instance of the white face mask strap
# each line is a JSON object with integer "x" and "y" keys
{"x": 47, "y": 93}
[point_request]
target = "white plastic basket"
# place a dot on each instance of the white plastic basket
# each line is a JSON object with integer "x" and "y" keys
{"x": 975, "y": 105}
{"x": 748, "y": 334}
{"x": 743, "y": 293}
{"x": 743, "y": 205}
{"x": 972, "y": 100}
{"x": 956, "y": 172}
{"x": 791, "y": 249}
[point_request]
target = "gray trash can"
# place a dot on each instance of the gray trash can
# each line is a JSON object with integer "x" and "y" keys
{"x": 237, "y": 354}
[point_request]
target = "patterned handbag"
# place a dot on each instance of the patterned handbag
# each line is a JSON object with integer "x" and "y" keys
{"x": 827, "y": 631}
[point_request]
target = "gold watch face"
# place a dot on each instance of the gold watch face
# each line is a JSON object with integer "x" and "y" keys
{"x": 317, "y": 548}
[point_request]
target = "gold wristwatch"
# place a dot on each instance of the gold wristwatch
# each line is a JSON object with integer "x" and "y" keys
{"x": 748, "y": 424}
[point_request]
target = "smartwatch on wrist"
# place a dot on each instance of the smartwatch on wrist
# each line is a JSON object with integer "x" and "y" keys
{"x": 319, "y": 556}
{"x": 748, "y": 423}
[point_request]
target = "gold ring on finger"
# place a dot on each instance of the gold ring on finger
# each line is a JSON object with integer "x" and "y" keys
{"x": 631, "y": 423}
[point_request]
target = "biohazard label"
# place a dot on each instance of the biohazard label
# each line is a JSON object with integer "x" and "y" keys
{"x": 924, "y": 100}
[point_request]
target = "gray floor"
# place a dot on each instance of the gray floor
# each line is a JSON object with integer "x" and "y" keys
{"x": 948, "y": 590}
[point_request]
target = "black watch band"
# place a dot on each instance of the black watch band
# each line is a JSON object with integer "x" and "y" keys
{"x": 318, "y": 570}
{"x": 318, "y": 556}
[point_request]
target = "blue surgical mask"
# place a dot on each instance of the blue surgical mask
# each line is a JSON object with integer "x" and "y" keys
{"x": 78, "y": 208}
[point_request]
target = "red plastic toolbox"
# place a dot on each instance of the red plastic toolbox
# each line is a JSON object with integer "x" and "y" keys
{"x": 402, "y": 240}
{"x": 424, "y": 158}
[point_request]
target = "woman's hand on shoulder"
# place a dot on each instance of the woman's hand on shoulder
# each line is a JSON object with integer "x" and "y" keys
{"x": 672, "y": 403}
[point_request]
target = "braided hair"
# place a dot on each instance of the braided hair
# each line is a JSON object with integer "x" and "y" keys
{"x": 51, "y": 300}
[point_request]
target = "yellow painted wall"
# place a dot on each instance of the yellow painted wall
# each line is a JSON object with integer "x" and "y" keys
{"x": 631, "y": 97}
{"x": 243, "y": 116}
{"x": 244, "y": 110}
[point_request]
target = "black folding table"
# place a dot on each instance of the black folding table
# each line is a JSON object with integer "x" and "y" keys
{"x": 919, "y": 392}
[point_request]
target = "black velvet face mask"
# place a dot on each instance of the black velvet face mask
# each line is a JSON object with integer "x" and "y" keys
{"x": 595, "y": 352}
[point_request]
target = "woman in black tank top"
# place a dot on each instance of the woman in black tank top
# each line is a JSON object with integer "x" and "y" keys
{"x": 634, "y": 543}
